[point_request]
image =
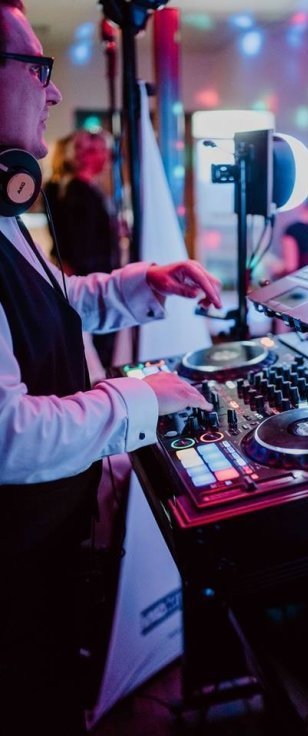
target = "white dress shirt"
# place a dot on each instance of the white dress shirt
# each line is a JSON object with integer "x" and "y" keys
{"x": 47, "y": 437}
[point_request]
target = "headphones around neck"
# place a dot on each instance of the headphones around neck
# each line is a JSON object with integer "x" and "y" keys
{"x": 20, "y": 181}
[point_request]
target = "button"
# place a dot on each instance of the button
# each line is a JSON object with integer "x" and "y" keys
{"x": 141, "y": 435}
{"x": 247, "y": 469}
{"x": 197, "y": 470}
{"x": 150, "y": 313}
{"x": 203, "y": 480}
{"x": 189, "y": 458}
{"x": 227, "y": 474}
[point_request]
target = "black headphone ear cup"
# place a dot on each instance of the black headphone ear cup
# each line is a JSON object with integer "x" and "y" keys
{"x": 20, "y": 181}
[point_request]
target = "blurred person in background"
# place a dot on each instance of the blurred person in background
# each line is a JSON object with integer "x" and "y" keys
{"x": 85, "y": 221}
{"x": 294, "y": 245}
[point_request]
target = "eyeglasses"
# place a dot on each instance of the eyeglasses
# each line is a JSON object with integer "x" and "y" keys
{"x": 44, "y": 64}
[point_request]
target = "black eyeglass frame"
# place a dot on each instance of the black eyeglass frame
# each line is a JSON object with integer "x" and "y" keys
{"x": 42, "y": 61}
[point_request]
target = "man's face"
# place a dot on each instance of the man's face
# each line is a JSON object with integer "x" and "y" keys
{"x": 24, "y": 102}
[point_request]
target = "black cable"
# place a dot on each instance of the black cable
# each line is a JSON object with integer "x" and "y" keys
{"x": 253, "y": 265}
{"x": 259, "y": 243}
{"x": 54, "y": 236}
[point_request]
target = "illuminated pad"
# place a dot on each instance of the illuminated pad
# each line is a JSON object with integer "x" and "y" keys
{"x": 189, "y": 458}
{"x": 227, "y": 474}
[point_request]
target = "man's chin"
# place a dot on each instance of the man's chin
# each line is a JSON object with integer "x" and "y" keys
{"x": 40, "y": 151}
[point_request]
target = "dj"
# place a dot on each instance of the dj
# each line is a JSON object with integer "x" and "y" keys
{"x": 54, "y": 429}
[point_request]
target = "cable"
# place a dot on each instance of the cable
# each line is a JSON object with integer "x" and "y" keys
{"x": 253, "y": 264}
{"x": 259, "y": 243}
{"x": 53, "y": 232}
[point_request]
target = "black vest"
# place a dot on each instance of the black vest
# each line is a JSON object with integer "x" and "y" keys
{"x": 47, "y": 343}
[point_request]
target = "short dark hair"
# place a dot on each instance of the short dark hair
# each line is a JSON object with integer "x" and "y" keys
{"x": 3, "y": 31}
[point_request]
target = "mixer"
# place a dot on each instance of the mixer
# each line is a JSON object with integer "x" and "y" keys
{"x": 251, "y": 450}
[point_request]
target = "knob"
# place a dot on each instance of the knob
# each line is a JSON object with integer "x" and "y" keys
{"x": 205, "y": 389}
{"x": 252, "y": 397}
{"x": 263, "y": 386}
{"x": 285, "y": 405}
{"x": 271, "y": 394}
{"x": 301, "y": 385}
{"x": 240, "y": 383}
{"x": 232, "y": 416}
{"x": 286, "y": 388}
{"x": 246, "y": 389}
{"x": 214, "y": 399}
{"x": 202, "y": 417}
{"x": 250, "y": 377}
{"x": 279, "y": 382}
{"x": 277, "y": 398}
{"x": 213, "y": 419}
{"x": 272, "y": 374}
{"x": 191, "y": 426}
{"x": 258, "y": 379}
{"x": 286, "y": 372}
{"x": 294, "y": 395}
{"x": 259, "y": 402}
{"x": 179, "y": 422}
{"x": 294, "y": 378}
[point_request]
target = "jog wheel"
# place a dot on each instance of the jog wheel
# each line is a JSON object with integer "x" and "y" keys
{"x": 228, "y": 359}
{"x": 280, "y": 440}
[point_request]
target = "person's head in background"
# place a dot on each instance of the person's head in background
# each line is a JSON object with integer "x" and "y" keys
{"x": 91, "y": 154}
{"x": 26, "y": 92}
{"x": 62, "y": 164}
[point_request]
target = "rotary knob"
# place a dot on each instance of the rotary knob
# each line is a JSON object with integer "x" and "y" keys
{"x": 213, "y": 419}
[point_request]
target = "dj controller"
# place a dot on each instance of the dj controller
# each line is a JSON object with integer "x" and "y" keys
{"x": 229, "y": 491}
{"x": 251, "y": 451}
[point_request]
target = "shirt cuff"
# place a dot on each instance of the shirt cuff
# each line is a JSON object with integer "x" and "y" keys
{"x": 143, "y": 303}
{"x": 142, "y": 411}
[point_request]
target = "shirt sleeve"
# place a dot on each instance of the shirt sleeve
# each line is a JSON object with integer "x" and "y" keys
{"x": 47, "y": 437}
{"x": 109, "y": 302}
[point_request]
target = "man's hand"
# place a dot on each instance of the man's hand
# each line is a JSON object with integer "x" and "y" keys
{"x": 173, "y": 394}
{"x": 186, "y": 278}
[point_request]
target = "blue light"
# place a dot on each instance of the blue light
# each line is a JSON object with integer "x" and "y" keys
{"x": 294, "y": 38}
{"x": 177, "y": 108}
{"x": 85, "y": 31}
{"x": 93, "y": 124}
{"x": 242, "y": 20}
{"x": 80, "y": 53}
{"x": 179, "y": 172}
{"x": 208, "y": 592}
{"x": 251, "y": 43}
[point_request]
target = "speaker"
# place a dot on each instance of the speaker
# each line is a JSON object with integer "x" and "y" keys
{"x": 20, "y": 181}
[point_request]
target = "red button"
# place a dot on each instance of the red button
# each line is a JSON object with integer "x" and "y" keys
{"x": 227, "y": 474}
